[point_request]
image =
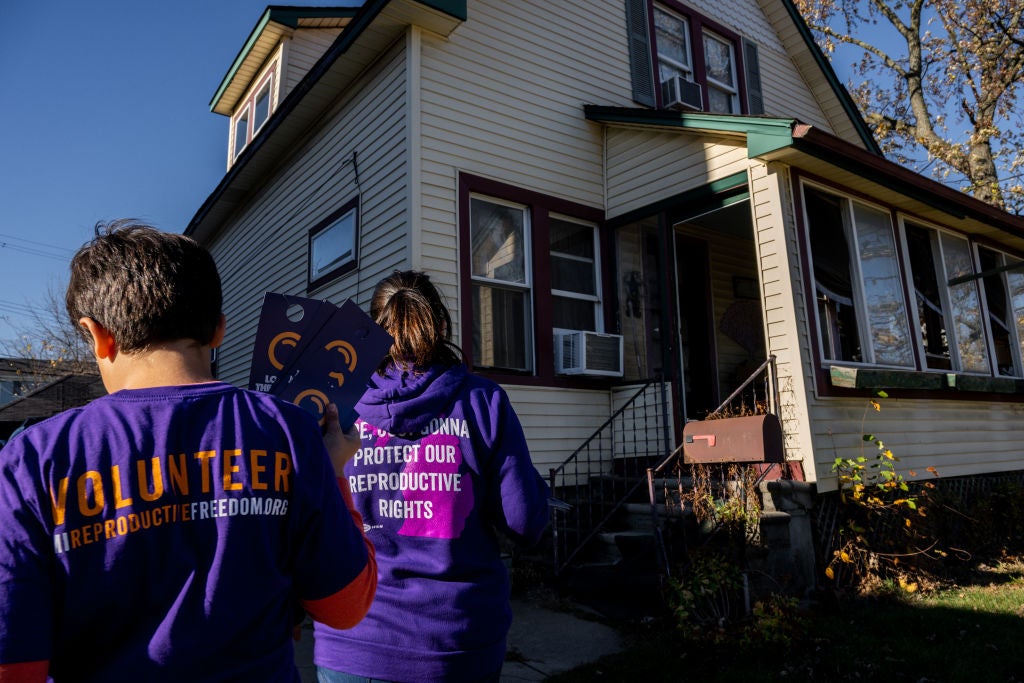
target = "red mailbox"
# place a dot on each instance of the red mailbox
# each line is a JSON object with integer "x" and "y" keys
{"x": 753, "y": 438}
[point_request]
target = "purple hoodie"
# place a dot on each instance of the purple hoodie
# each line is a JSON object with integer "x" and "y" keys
{"x": 444, "y": 467}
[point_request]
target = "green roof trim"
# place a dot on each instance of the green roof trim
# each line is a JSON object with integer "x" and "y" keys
{"x": 866, "y": 136}
{"x": 286, "y": 16}
{"x": 764, "y": 134}
{"x": 716, "y": 194}
{"x": 454, "y": 8}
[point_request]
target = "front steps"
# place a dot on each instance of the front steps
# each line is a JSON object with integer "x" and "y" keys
{"x": 621, "y": 571}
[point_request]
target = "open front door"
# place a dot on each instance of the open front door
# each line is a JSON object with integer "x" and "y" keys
{"x": 696, "y": 327}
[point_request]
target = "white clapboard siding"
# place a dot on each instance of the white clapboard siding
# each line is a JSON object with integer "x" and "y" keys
{"x": 305, "y": 47}
{"x": 793, "y": 75}
{"x": 784, "y": 312}
{"x": 922, "y": 434}
{"x": 557, "y": 423}
{"x": 646, "y": 166}
{"x": 265, "y": 248}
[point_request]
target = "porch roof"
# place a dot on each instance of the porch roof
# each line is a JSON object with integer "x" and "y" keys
{"x": 819, "y": 153}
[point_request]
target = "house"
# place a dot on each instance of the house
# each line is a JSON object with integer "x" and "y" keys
{"x": 32, "y": 390}
{"x": 617, "y": 199}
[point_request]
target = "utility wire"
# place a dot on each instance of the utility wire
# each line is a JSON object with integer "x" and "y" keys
{"x": 33, "y": 248}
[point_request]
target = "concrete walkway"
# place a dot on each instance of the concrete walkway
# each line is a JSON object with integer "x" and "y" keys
{"x": 541, "y": 642}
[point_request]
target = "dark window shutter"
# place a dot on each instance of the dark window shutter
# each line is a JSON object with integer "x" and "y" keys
{"x": 752, "y": 75}
{"x": 640, "y": 68}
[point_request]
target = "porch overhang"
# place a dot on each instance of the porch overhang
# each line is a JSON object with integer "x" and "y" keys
{"x": 763, "y": 134}
{"x": 816, "y": 153}
{"x": 375, "y": 26}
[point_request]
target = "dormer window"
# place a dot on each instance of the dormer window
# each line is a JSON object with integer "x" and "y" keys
{"x": 261, "y": 110}
{"x": 254, "y": 111}
{"x": 241, "y": 131}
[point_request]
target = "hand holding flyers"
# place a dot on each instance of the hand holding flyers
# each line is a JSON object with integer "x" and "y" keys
{"x": 324, "y": 356}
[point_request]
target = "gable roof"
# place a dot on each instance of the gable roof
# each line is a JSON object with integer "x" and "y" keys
{"x": 277, "y": 22}
{"x": 815, "y": 67}
{"x": 373, "y": 27}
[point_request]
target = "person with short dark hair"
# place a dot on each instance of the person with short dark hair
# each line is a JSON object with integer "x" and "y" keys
{"x": 443, "y": 471}
{"x": 170, "y": 530}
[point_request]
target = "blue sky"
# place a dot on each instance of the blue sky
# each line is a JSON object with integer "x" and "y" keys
{"x": 106, "y": 115}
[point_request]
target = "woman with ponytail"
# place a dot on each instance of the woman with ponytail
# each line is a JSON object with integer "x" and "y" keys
{"x": 442, "y": 472}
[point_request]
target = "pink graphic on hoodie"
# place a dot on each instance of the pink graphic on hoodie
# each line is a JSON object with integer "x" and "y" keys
{"x": 448, "y": 495}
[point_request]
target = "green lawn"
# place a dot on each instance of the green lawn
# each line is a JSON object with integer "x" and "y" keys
{"x": 965, "y": 633}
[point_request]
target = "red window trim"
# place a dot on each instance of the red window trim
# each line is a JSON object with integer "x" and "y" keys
{"x": 539, "y": 206}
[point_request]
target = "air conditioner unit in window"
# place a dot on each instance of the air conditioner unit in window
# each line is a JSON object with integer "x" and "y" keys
{"x": 579, "y": 352}
{"x": 679, "y": 93}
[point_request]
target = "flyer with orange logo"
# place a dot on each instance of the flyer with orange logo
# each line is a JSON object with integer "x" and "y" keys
{"x": 311, "y": 353}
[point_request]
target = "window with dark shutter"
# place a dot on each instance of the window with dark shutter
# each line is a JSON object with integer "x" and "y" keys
{"x": 640, "y": 67}
{"x": 752, "y": 74}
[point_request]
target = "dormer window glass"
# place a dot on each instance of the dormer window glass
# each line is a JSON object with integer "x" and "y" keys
{"x": 253, "y": 111}
{"x": 261, "y": 109}
{"x": 241, "y": 131}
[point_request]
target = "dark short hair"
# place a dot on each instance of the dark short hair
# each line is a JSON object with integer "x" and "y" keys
{"x": 410, "y": 308}
{"x": 144, "y": 286}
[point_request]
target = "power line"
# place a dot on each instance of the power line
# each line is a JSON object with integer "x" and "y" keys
{"x": 33, "y": 248}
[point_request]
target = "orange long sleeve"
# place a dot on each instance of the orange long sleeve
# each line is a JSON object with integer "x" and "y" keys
{"x": 24, "y": 672}
{"x": 347, "y": 607}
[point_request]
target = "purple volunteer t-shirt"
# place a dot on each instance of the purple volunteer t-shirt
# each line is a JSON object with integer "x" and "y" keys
{"x": 166, "y": 534}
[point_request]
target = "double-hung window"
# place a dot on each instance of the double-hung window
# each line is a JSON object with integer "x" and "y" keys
{"x": 502, "y": 284}
{"x": 253, "y": 112}
{"x": 533, "y": 266}
{"x": 688, "y": 47}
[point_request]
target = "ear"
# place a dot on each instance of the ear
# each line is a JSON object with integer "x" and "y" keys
{"x": 103, "y": 343}
{"x": 218, "y": 334}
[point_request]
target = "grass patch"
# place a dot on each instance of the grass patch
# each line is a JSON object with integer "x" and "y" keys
{"x": 967, "y": 633}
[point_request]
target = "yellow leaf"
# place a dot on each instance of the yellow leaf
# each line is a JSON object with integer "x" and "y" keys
{"x": 845, "y": 557}
{"x": 876, "y": 406}
{"x": 829, "y": 573}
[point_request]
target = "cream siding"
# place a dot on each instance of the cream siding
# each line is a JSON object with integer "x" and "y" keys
{"x": 305, "y": 48}
{"x": 797, "y": 65}
{"x": 646, "y": 166}
{"x": 556, "y": 423}
{"x": 481, "y": 114}
{"x": 945, "y": 435}
{"x": 265, "y": 248}
{"x": 784, "y": 312}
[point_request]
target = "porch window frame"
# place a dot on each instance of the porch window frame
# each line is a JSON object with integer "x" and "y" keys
{"x": 949, "y": 312}
{"x": 698, "y": 26}
{"x": 539, "y": 209}
{"x": 847, "y": 378}
{"x": 860, "y": 297}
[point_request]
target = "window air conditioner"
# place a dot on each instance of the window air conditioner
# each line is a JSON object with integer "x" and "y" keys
{"x": 679, "y": 93}
{"x": 579, "y": 352}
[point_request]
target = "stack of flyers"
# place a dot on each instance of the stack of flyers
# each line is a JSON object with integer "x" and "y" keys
{"x": 324, "y": 355}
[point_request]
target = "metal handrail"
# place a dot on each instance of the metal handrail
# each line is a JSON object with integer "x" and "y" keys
{"x": 674, "y": 455}
{"x": 561, "y": 506}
